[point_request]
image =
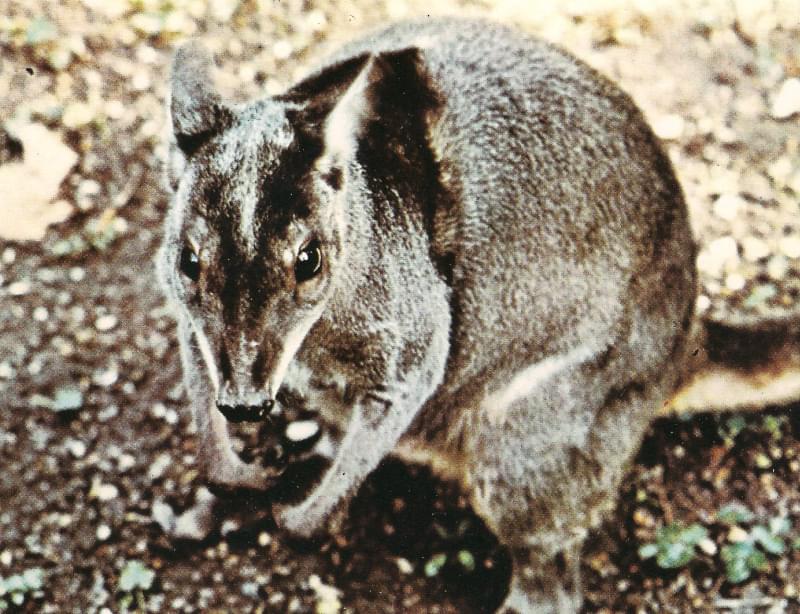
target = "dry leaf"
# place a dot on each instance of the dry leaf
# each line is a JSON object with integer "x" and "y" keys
{"x": 27, "y": 188}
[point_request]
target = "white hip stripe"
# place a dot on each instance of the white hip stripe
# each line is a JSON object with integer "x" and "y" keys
{"x": 528, "y": 379}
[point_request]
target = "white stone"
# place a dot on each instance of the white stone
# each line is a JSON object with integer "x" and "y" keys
{"x": 754, "y": 249}
{"x": 40, "y": 314}
{"x": 790, "y": 246}
{"x": 301, "y": 430}
{"x": 668, "y": 127}
{"x": 76, "y": 447}
{"x": 105, "y": 323}
{"x": 735, "y": 282}
{"x": 282, "y": 50}
{"x": 778, "y": 267}
{"x": 719, "y": 256}
{"x": 787, "y": 101}
{"x": 159, "y": 466}
{"x": 125, "y": 462}
{"x": 727, "y": 206}
{"x": 103, "y": 532}
{"x": 107, "y": 377}
{"x": 702, "y": 304}
{"x": 19, "y": 288}
{"x": 103, "y": 492}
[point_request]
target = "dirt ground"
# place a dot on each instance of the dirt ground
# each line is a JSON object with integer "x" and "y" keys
{"x": 96, "y": 448}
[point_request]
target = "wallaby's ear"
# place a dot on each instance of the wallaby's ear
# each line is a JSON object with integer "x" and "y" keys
{"x": 196, "y": 109}
{"x": 348, "y": 97}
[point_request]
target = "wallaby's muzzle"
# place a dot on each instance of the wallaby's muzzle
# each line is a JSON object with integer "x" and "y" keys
{"x": 247, "y": 413}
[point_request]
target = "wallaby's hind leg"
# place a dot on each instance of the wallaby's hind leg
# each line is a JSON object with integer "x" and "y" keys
{"x": 542, "y": 492}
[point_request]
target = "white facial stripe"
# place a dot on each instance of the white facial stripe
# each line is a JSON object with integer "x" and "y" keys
{"x": 208, "y": 356}
{"x": 291, "y": 344}
{"x": 528, "y": 379}
{"x": 248, "y": 197}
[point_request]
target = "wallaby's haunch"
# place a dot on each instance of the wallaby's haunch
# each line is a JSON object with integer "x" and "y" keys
{"x": 451, "y": 240}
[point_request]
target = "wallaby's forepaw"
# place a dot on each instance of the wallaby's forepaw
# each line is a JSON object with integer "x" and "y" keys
{"x": 312, "y": 516}
{"x": 303, "y": 520}
{"x": 518, "y": 602}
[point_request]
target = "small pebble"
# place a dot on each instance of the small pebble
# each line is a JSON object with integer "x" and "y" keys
{"x": 728, "y": 206}
{"x": 720, "y": 255}
{"x": 77, "y": 274}
{"x": 40, "y": 314}
{"x": 301, "y": 430}
{"x": 250, "y": 589}
{"x": 159, "y": 466}
{"x": 264, "y": 539}
{"x": 6, "y": 370}
{"x": 103, "y": 532}
{"x": 103, "y": 492}
{"x": 754, "y": 249}
{"x": 6, "y": 557}
{"x": 702, "y": 304}
{"x": 790, "y": 246}
{"x": 282, "y": 50}
{"x": 708, "y": 546}
{"x": 125, "y": 462}
{"x": 787, "y": 101}
{"x": 9, "y": 255}
{"x": 737, "y": 534}
{"x": 19, "y": 288}
{"x": 777, "y": 267}
{"x": 158, "y": 410}
{"x": 668, "y": 127}
{"x": 105, "y": 323}
{"x": 107, "y": 377}
{"x": 404, "y": 566}
{"x": 735, "y": 282}
{"x": 76, "y": 447}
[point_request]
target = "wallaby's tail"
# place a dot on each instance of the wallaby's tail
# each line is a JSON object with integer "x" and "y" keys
{"x": 740, "y": 365}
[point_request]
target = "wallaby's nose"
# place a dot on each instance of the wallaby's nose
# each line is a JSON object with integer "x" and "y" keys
{"x": 246, "y": 413}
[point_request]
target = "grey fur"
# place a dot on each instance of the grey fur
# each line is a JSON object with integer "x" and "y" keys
{"x": 507, "y": 295}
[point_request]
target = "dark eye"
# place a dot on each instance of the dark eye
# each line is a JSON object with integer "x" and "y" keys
{"x": 190, "y": 264}
{"x": 308, "y": 263}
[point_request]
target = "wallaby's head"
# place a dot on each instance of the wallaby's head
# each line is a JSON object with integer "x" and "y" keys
{"x": 264, "y": 217}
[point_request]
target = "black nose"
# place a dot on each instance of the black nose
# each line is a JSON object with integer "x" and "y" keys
{"x": 246, "y": 413}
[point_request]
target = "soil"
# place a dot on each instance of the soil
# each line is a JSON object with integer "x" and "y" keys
{"x": 94, "y": 425}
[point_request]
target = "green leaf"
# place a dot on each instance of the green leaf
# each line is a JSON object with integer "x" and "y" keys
{"x": 33, "y": 578}
{"x": 15, "y": 584}
{"x": 693, "y": 534}
{"x": 773, "y": 424}
{"x": 136, "y": 575}
{"x": 675, "y": 555}
{"x": 757, "y": 560}
{"x": 435, "y": 564}
{"x": 466, "y": 559}
{"x": 770, "y": 542}
{"x": 67, "y": 399}
{"x": 737, "y": 571}
{"x": 780, "y": 525}
{"x": 648, "y": 551}
{"x": 734, "y": 513}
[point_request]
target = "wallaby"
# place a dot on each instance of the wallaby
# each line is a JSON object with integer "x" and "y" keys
{"x": 454, "y": 241}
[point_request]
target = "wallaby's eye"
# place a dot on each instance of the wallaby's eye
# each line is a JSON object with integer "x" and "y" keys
{"x": 308, "y": 263}
{"x": 190, "y": 264}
